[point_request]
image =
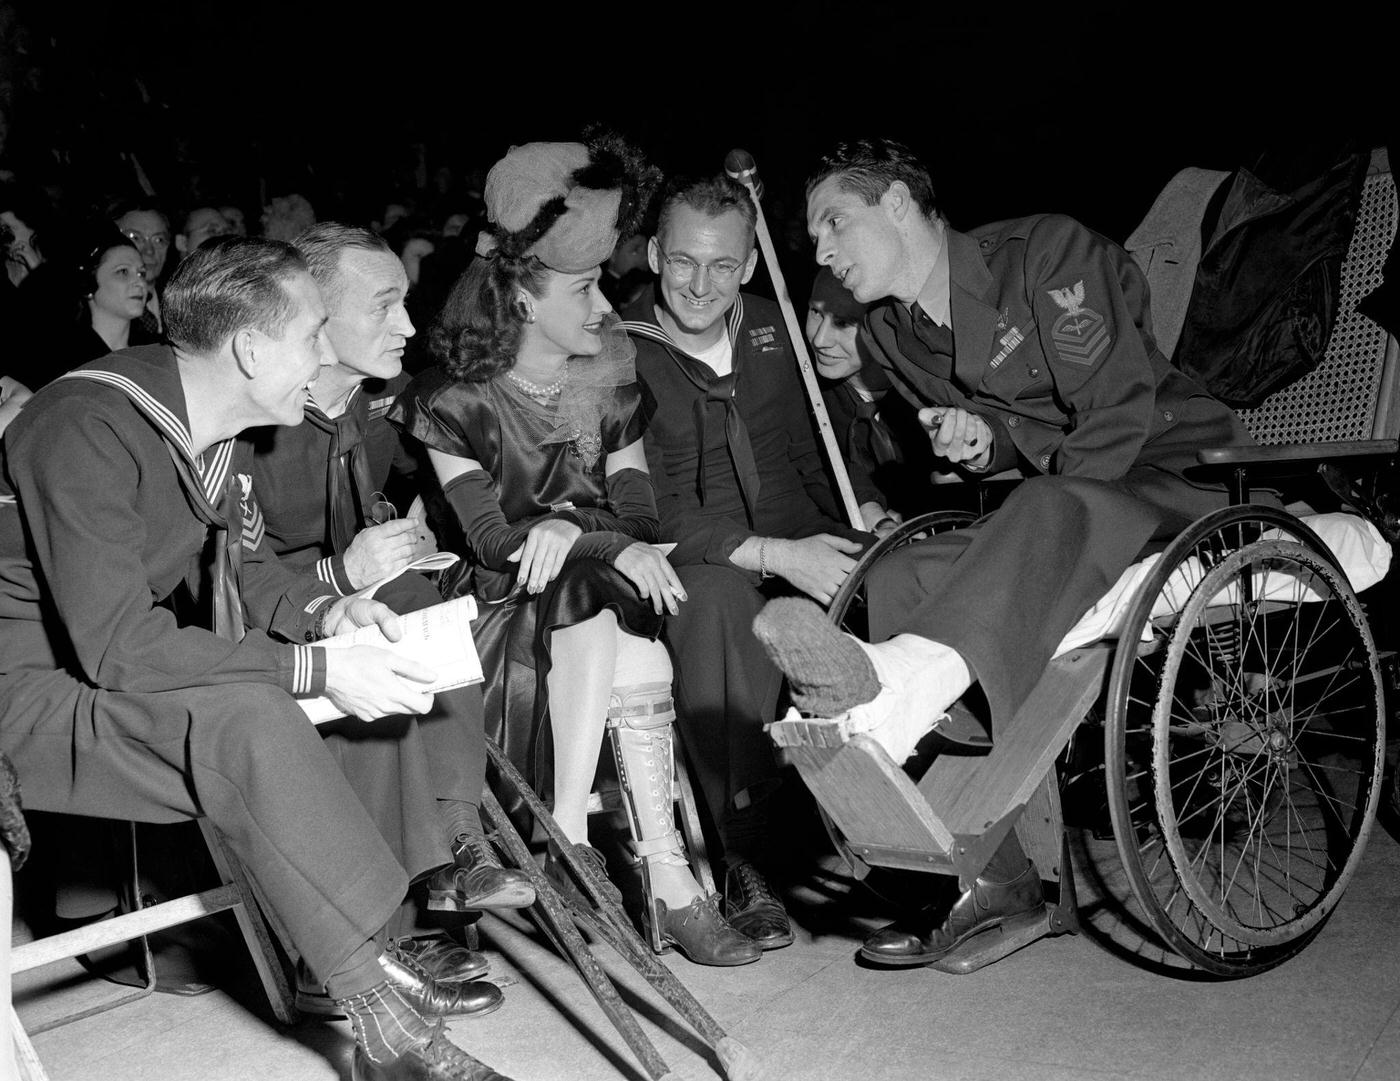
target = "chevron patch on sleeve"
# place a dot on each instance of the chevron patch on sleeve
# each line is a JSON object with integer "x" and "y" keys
{"x": 1081, "y": 335}
{"x": 253, "y": 529}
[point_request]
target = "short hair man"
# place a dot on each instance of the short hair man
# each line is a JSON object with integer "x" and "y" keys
{"x": 742, "y": 489}
{"x": 1023, "y": 344}
{"x": 320, "y": 486}
{"x": 147, "y": 226}
{"x": 119, "y": 478}
{"x": 201, "y": 224}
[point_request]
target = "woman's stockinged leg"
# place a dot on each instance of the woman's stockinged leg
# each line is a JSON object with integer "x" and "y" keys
{"x": 583, "y": 658}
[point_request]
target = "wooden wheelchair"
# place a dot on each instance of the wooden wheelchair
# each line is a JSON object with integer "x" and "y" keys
{"x": 1238, "y": 696}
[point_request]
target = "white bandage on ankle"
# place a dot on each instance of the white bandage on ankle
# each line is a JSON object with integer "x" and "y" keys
{"x": 919, "y": 680}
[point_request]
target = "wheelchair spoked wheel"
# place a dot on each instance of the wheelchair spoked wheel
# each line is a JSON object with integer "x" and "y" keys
{"x": 848, "y": 607}
{"x": 1244, "y": 740}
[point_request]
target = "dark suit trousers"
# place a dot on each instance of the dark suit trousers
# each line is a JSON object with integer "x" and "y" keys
{"x": 726, "y": 687}
{"x": 401, "y": 766}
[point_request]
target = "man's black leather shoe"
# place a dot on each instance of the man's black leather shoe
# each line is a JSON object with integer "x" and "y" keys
{"x": 924, "y": 938}
{"x": 432, "y": 999}
{"x": 753, "y": 909}
{"x": 443, "y": 959}
{"x": 475, "y": 998}
{"x": 437, "y": 1060}
{"x": 476, "y": 880}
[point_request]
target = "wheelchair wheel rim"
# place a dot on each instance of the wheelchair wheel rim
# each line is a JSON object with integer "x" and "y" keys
{"x": 1150, "y": 873}
{"x": 1265, "y": 826}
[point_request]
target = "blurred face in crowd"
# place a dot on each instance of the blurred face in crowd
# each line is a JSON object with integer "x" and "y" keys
{"x": 630, "y": 254}
{"x": 412, "y": 256}
{"x": 21, "y": 254}
{"x": 121, "y": 284}
{"x": 568, "y": 316}
{"x": 833, "y": 325}
{"x": 861, "y": 244}
{"x": 702, "y": 261}
{"x": 287, "y": 366}
{"x": 237, "y": 224}
{"x": 286, "y": 216}
{"x": 454, "y": 225}
{"x": 370, "y": 326}
{"x": 150, "y": 232}
{"x": 202, "y": 224}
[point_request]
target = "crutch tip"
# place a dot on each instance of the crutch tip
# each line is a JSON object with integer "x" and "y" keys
{"x": 740, "y": 1064}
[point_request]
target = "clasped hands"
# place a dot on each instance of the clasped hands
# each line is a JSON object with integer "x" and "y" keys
{"x": 963, "y": 438}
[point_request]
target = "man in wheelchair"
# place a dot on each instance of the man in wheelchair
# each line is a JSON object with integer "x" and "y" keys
{"x": 1026, "y": 344}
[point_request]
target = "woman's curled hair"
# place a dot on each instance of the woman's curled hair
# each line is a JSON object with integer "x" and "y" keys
{"x": 477, "y": 334}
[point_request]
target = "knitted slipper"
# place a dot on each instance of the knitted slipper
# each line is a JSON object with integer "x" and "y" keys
{"x": 828, "y": 672}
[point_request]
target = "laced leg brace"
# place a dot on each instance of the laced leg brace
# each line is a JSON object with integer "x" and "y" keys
{"x": 640, "y": 723}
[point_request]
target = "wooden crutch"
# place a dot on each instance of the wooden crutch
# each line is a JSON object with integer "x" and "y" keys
{"x": 740, "y": 166}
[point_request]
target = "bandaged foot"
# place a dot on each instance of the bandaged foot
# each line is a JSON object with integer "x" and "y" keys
{"x": 894, "y": 692}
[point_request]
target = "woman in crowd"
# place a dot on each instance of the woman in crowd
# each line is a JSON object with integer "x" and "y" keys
{"x": 111, "y": 282}
{"x": 533, "y": 422}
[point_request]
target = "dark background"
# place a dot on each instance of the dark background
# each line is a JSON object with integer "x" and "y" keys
{"x": 1084, "y": 109}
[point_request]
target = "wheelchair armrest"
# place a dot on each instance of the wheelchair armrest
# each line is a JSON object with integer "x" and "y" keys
{"x": 1292, "y": 454}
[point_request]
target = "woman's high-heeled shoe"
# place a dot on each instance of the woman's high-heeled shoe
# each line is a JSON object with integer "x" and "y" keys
{"x": 699, "y": 931}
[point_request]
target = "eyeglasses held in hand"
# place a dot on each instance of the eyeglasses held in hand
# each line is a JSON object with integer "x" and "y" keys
{"x": 381, "y": 510}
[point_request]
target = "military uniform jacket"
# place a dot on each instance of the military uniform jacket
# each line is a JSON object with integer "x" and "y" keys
{"x": 99, "y": 527}
{"x": 292, "y": 485}
{"x": 1053, "y": 347}
{"x": 735, "y": 456}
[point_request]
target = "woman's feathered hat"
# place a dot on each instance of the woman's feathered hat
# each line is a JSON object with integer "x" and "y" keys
{"x": 566, "y": 203}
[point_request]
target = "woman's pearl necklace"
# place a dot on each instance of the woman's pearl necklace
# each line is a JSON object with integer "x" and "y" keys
{"x": 534, "y": 390}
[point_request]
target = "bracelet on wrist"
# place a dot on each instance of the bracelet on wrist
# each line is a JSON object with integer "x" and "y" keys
{"x": 763, "y": 571}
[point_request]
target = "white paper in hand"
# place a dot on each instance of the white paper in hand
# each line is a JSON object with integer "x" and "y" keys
{"x": 439, "y": 637}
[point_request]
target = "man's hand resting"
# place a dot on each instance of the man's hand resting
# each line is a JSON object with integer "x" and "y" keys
{"x": 379, "y": 551}
{"x": 816, "y": 565}
{"x": 367, "y": 682}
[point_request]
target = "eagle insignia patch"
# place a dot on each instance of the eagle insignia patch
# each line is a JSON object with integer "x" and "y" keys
{"x": 1081, "y": 334}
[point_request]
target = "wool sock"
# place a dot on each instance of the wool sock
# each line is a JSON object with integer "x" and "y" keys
{"x": 461, "y": 822}
{"x": 385, "y": 1024}
{"x": 828, "y": 673}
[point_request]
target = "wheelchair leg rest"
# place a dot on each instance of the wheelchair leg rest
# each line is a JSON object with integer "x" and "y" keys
{"x": 997, "y": 942}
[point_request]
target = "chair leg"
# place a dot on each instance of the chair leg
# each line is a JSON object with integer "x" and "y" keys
{"x": 27, "y": 1063}
{"x": 254, "y": 927}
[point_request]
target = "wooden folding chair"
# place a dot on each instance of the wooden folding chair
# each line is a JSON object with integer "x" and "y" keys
{"x": 235, "y": 893}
